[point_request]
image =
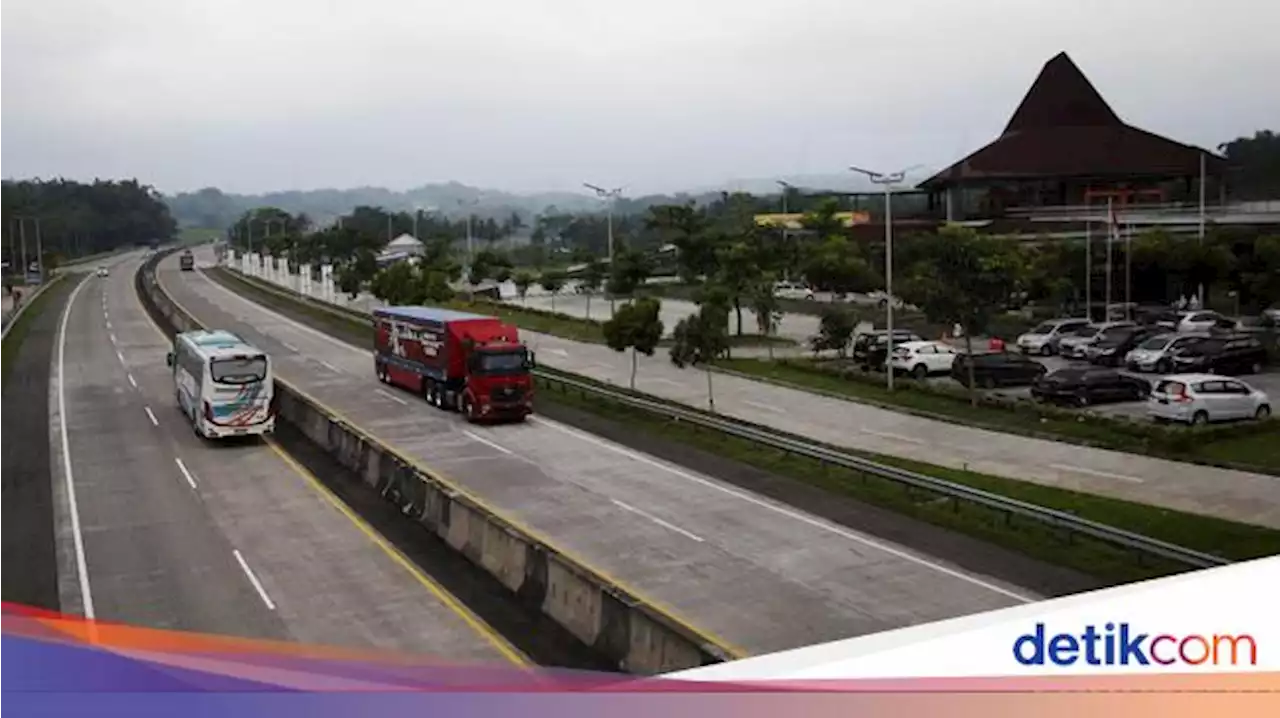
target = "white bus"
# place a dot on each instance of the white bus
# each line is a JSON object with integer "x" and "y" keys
{"x": 223, "y": 384}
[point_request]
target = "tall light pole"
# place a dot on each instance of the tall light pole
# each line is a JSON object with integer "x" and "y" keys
{"x": 887, "y": 181}
{"x": 611, "y": 196}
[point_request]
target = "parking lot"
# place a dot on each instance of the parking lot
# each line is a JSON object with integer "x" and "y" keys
{"x": 1268, "y": 381}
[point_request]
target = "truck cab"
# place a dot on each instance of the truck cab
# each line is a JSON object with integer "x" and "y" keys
{"x": 498, "y": 382}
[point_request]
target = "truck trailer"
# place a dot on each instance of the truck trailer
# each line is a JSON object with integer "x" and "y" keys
{"x": 457, "y": 361}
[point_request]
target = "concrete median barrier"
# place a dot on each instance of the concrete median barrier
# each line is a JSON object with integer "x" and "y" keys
{"x": 638, "y": 637}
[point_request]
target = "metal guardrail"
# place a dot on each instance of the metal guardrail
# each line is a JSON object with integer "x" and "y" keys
{"x": 791, "y": 444}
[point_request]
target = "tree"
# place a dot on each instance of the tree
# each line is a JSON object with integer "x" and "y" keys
{"x": 764, "y": 304}
{"x": 629, "y": 271}
{"x": 394, "y": 284}
{"x": 1260, "y": 275}
{"x": 1254, "y": 163}
{"x": 960, "y": 277}
{"x": 348, "y": 280}
{"x": 699, "y": 339}
{"x": 553, "y": 282}
{"x": 835, "y": 331}
{"x": 591, "y": 279}
{"x": 836, "y": 265}
{"x": 685, "y": 226}
{"x": 523, "y": 280}
{"x": 636, "y": 326}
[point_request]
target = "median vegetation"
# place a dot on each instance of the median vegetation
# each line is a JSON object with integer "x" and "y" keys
{"x": 17, "y": 334}
{"x": 1224, "y": 538}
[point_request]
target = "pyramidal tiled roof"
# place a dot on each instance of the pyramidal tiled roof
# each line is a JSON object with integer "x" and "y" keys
{"x": 1064, "y": 128}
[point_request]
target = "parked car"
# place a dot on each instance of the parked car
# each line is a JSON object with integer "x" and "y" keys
{"x": 792, "y": 290}
{"x": 920, "y": 359}
{"x": 870, "y": 348}
{"x": 1230, "y": 354}
{"x": 1089, "y": 385}
{"x": 1202, "y": 398}
{"x": 996, "y": 369}
{"x": 1203, "y": 321}
{"x": 1074, "y": 345}
{"x": 1115, "y": 343}
{"x": 1043, "y": 339}
{"x": 1156, "y": 352}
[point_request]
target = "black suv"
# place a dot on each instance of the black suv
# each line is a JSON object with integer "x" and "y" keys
{"x": 996, "y": 369}
{"x": 1231, "y": 354}
{"x": 1093, "y": 385}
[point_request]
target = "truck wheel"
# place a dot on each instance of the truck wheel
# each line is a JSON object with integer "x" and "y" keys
{"x": 467, "y": 409}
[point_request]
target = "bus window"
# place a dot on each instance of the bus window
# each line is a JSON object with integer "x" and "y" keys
{"x": 238, "y": 371}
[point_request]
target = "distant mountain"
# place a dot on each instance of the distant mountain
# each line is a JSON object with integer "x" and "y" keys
{"x": 210, "y": 207}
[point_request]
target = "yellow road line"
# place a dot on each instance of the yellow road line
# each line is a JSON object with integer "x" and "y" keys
{"x": 732, "y": 650}
{"x": 473, "y": 621}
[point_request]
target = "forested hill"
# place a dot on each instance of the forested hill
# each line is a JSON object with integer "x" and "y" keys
{"x": 74, "y": 219}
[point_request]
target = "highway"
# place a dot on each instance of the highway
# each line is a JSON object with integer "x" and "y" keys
{"x": 1234, "y": 495}
{"x": 159, "y": 528}
{"x": 760, "y": 575}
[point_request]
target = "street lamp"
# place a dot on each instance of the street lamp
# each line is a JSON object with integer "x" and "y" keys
{"x": 611, "y": 195}
{"x": 887, "y": 181}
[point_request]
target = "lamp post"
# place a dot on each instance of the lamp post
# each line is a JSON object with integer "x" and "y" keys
{"x": 611, "y": 195}
{"x": 887, "y": 181}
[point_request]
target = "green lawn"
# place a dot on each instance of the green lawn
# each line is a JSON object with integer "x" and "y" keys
{"x": 18, "y": 332}
{"x": 1225, "y": 538}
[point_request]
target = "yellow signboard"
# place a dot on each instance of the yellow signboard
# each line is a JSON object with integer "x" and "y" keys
{"x": 793, "y": 220}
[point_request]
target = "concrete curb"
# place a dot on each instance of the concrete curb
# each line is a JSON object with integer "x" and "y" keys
{"x": 641, "y": 637}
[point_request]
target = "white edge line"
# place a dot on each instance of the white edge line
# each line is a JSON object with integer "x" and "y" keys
{"x": 82, "y": 565}
{"x": 132, "y": 381}
{"x": 486, "y": 442}
{"x": 262, "y": 592}
{"x": 392, "y": 397}
{"x": 186, "y": 474}
{"x": 892, "y": 436}
{"x": 794, "y": 514}
{"x": 745, "y": 497}
{"x": 329, "y": 366}
{"x": 151, "y": 416}
{"x": 766, "y": 407}
{"x": 290, "y": 347}
{"x": 121, "y": 356}
{"x": 664, "y": 524}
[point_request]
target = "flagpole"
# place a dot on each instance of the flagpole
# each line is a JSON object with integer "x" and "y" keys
{"x": 1111, "y": 222}
{"x": 1128, "y": 281}
{"x": 1088, "y": 262}
{"x": 1201, "y": 235}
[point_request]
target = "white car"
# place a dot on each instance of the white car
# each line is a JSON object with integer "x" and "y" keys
{"x": 792, "y": 290}
{"x": 102, "y": 271}
{"x": 1043, "y": 339}
{"x": 920, "y": 359}
{"x": 1202, "y": 398}
{"x": 1156, "y": 353}
{"x": 1203, "y": 321}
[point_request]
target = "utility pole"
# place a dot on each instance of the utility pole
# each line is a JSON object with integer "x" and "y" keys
{"x": 887, "y": 181}
{"x": 610, "y": 196}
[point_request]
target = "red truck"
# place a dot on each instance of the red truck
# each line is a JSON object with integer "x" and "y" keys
{"x": 460, "y": 362}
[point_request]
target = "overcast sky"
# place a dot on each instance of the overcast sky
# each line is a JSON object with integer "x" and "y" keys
{"x": 524, "y": 95}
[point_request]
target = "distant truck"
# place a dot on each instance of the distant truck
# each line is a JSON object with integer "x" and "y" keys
{"x": 462, "y": 362}
{"x": 187, "y": 262}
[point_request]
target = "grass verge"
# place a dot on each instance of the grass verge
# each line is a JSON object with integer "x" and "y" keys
{"x": 1246, "y": 446}
{"x": 13, "y": 340}
{"x": 1225, "y": 538}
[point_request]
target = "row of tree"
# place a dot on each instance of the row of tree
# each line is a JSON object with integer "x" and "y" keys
{"x": 74, "y": 219}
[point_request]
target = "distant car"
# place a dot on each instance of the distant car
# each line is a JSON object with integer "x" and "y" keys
{"x": 920, "y": 359}
{"x": 1043, "y": 339}
{"x": 1089, "y": 385}
{"x": 1075, "y": 345}
{"x": 1202, "y": 398}
{"x": 102, "y": 271}
{"x": 1112, "y": 346}
{"x": 996, "y": 369}
{"x": 1230, "y": 354}
{"x": 792, "y": 290}
{"x": 1156, "y": 352}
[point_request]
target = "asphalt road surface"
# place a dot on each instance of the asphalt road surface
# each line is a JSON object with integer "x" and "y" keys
{"x": 168, "y": 530}
{"x": 762, "y": 575}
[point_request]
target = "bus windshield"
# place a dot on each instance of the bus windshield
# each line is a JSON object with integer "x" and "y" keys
{"x": 503, "y": 362}
{"x": 238, "y": 371}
